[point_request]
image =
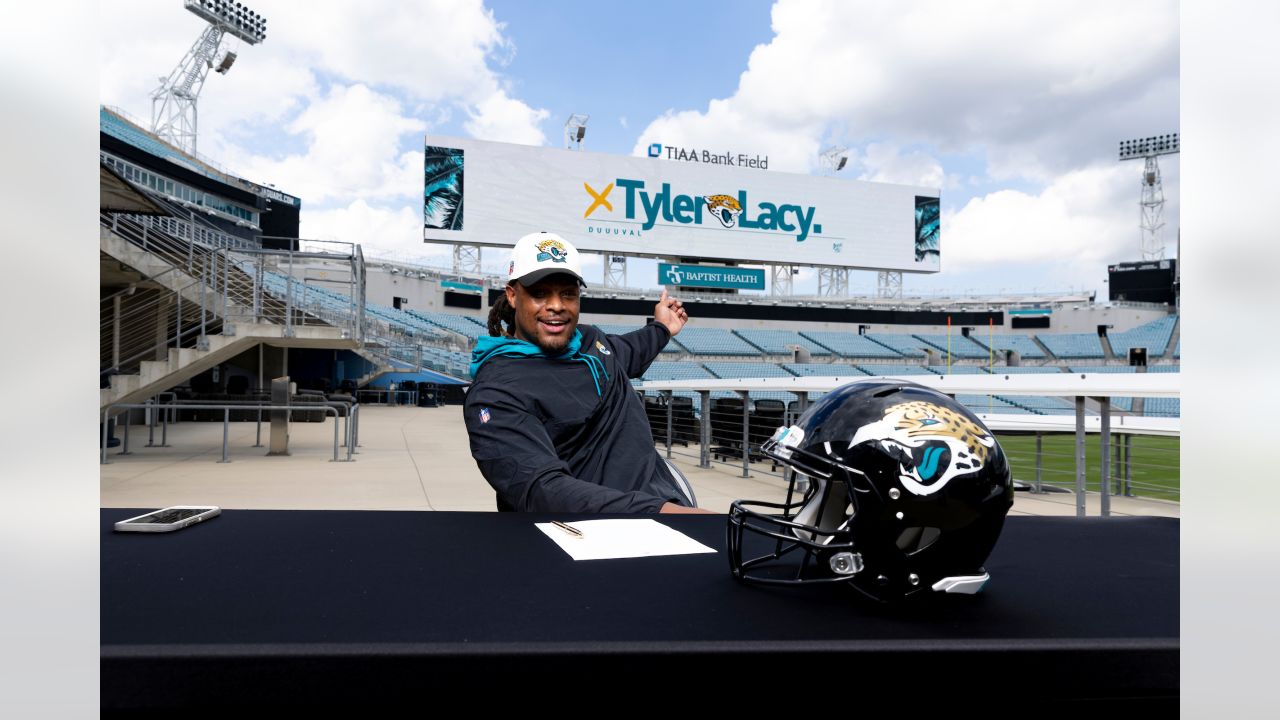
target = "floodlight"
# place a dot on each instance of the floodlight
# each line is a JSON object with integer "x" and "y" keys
{"x": 1151, "y": 201}
{"x": 834, "y": 158}
{"x": 575, "y": 129}
{"x": 233, "y": 18}
{"x": 173, "y": 104}
{"x": 227, "y": 61}
{"x": 1149, "y": 147}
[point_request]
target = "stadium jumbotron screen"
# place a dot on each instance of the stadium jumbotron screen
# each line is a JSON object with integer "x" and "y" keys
{"x": 660, "y": 208}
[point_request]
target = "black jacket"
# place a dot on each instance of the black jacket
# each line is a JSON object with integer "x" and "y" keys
{"x": 570, "y": 435}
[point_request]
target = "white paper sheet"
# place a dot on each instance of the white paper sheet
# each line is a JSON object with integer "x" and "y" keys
{"x": 629, "y": 538}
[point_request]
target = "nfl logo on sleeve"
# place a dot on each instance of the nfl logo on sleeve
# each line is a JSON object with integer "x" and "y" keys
{"x": 484, "y": 415}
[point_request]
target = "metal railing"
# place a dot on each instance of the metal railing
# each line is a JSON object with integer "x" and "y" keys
{"x": 728, "y": 420}
{"x": 219, "y": 278}
{"x": 350, "y": 433}
{"x": 228, "y": 279}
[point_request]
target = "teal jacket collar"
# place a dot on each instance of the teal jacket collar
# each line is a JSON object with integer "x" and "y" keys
{"x": 489, "y": 347}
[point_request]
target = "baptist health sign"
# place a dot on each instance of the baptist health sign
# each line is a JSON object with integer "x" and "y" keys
{"x": 485, "y": 193}
{"x": 703, "y": 276}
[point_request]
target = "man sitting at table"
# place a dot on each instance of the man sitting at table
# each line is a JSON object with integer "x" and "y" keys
{"x": 554, "y": 423}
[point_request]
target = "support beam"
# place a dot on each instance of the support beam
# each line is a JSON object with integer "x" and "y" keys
{"x": 1104, "y": 407}
{"x": 1080, "y": 457}
{"x": 889, "y": 284}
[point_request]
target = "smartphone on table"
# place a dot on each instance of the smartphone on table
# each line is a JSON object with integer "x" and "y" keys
{"x": 174, "y": 517}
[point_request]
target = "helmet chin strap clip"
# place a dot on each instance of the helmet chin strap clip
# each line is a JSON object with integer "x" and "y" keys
{"x": 846, "y": 563}
{"x": 962, "y": 584}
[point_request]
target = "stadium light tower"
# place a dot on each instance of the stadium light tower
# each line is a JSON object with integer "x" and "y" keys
{"x": 1152, "y": 197}
{"x": 575, "y": 128}
{"x": 173, "y": 104}
{"x": 832, "y": 281}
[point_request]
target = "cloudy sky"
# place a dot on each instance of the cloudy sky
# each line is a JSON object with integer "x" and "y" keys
{"x": 1014, "y": 109}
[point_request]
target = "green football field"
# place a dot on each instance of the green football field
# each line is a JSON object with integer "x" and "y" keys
{"x": 1153, "y": 461}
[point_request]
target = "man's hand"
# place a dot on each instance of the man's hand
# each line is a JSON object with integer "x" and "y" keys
{"x": 670, "y": 312}
{"x": 672, "y": 508}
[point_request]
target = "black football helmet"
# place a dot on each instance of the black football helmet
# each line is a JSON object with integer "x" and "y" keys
{"x": 906, "y": 494}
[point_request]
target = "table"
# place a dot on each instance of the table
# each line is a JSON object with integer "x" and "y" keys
{"x": 348, "y": 607}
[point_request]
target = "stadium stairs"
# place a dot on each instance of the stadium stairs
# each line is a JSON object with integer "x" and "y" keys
{"x": 1105, "y": 341}
{"x": 170, "y": 262}
{"x": 1174, "y": 338}
{"x": 380, "y": 367}
{"x": 1043, "y": 348}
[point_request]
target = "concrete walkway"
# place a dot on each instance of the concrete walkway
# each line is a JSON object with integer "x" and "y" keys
{"x": 408, "y": 459}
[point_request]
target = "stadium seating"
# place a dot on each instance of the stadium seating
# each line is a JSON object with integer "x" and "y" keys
{"x": 823, "y": 370}
{"x": 1154, "y": 336}
{"x": 1072, "y": 345}
{"x": 1177, "y": 350}
{"x": 121, "y": 129}
{"x": 1102, "y": 369}
{"x": 893, "y": 369}
{"x": 990, "y": 404}
{"x": 775, "y": 342}
{"x": 660, "y": 370}
{"x": 715, "y": 341}
{"x": 1042, "y": 405}
{"x": 1022, "y": 344}
{"x": 315, "y": 297}
{"x": 1162, "y": 407}
{"x": 461, "y": 324}
{"x": 671, "y": 347}
{"x": 745, "y": 369}
{"x": 851, "y": 345}
{"x": 905, "y": 345}
{"x": 960, "y": 346}
{"x": 957, "y": 369}
{"x": 1123, "y": 404}
{"x": 1162, "y": 368}
{"x": 1026, "y": 370}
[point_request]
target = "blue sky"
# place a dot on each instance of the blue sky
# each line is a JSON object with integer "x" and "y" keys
{"x": 1013, "y": 110}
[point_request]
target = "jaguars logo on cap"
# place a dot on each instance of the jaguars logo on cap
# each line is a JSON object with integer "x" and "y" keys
{"x": 552, "y": 250}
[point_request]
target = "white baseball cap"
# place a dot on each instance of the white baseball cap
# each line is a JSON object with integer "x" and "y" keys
{"x": 540, "y": 254}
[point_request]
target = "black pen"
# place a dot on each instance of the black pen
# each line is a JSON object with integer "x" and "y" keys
{"x": 567, "y": 528}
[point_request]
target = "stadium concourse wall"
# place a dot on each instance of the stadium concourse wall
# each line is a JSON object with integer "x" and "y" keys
{"x": 432, "y": 290}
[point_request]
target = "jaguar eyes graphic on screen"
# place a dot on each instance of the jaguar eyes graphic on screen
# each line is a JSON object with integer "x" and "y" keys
{"x": 927, "y": 228}
{"x": 442, "y": 196}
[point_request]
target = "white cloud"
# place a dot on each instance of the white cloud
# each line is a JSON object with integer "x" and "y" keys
{"x": 790, "y": 149}
{"x": 886, "y": 163}
{"x": 345, "y": 87}
{"x": 505, "y": 119}
{"x": 1039, "y": 87}
{"x": 393, "y": 232}
{"x": 353, "y": 136}
{"x": 1082, "y": 221}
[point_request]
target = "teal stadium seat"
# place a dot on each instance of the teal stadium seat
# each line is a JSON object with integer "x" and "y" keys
{"x": 1022, "y": 344}
{"x": 851, "y": 345}
{"x": 1154, "y": 336}
{"x": 672, "y": 347}
{"x": 823, "y": 370}
{"x": 905, "y": 345}
{"x": 715, "y": 341}
{"x": 775, "y": 342}
{"x": 1072, "y": 345}
{"x": 960, "y": 346}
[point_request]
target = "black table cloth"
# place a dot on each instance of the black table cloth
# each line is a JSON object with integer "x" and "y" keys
{"x": 353, "y": 607}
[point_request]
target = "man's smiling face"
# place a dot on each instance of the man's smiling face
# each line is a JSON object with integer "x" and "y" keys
{"x": 546, "y": 312}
